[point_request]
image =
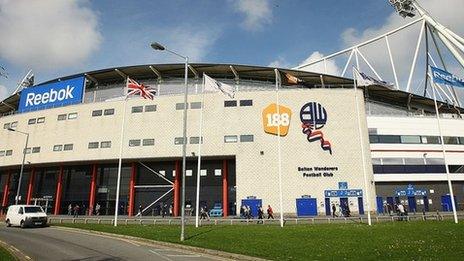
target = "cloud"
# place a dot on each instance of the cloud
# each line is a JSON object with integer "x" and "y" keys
{"x": 258, "y": 13}
{"x": 281, "y": 62}
{"x": 47, "y": 34}
{"x": 3, "y": 92}
{"x": 331, "y": 66}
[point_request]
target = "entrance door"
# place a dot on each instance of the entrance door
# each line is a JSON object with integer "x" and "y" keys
{"x": 412, "y": 204}
{"x": 379, "y": 201}
{"x": 446, "y": 203}
{"x": 360, "y": 206}
{"x": 344, "y": 205}
{"x": 327, "y": 207}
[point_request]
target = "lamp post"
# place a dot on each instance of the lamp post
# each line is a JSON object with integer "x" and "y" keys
{"x": 159, "y": 47}
{"x": 22, "y": 164}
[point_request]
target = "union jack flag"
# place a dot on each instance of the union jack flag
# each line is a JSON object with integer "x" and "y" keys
{"x": 135, "y": 88}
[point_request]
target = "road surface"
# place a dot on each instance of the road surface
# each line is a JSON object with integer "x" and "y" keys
{"x": 61, "y": 244}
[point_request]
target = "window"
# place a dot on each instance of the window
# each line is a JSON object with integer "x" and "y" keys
{"x": 40, "y": 120}
{"x": 72, "y": 116}
{"x": 68, "y": 146}
{"x": 188, "y": 173}
{"x": 217, "y": 172}
{"x": 105, "y": 144}
{"x": 58, "y": 148}
{"x": 203, "y": 173}
{"x": 178, "y": 140}
{"x": 149, "y": 108}
{"x": 173, "y": 173}
{"x": 430, "y": 139}
{"x": 31, "y": 121}
{"x": 246, "y": 138}
{"x": 246, "y": 102}
{"x": 2, "y": 153}
{"x": 35, "y": 149}
{"x": 230, "y": 139}
{"x": 137, "y": 109}
{"x": 109, "y": 112}
{"x": 195, "y": 105}
{"x": 27, "y": 150}
{"x": 195, "y": 140}
{"x": 6, "y": 125}
{"x": 451, "y": 140}
{"x": 93, "y": 145}
{"x": 180, "y": 106}
{"x": 162, "y": 172}
{"x": 62, "y": 117}
{"x": 8, "y": 152}
{"x": 461, "y": 140}
{"x": 134, "y": 143}
{"x": 411, "y": 139}
{"x": 373, "y": 138}
{"x": 389, "y": 138}
{"x": 96, "y": 113}
{"x": 148, "y": 142}
{"x": 230, "y": 103}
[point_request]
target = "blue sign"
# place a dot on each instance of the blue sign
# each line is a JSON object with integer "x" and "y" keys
{"x": 411, "y": 191}
{"x": 444, "y": 77}
{"x": 55, "y": 94}
{"x": 342, "y": 185}
{"x": 343, "y": 193}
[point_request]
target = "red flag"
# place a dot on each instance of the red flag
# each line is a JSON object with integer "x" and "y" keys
{"x": 135, "y": 88}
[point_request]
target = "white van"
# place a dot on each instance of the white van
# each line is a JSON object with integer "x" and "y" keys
{"x": 25, "y": 215}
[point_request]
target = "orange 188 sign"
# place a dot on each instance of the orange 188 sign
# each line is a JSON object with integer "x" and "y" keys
{"x": 274, "y": 119}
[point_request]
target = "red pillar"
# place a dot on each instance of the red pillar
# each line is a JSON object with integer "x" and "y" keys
{"x": 177, "y": 189}
{"x": 132, "y": 189}
{"x": 225, "y": 189}
{"x": 6, "y": 189}
{"x": 93, "y": 189}
{"x": 30, "y": 187}
{"x": 59, "y": 191}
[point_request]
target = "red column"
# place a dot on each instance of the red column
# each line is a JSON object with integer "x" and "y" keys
{"x": 59, "y": 191}
{"x": 132, "y": 190}
{"x": 225, "y": 189}
{"x": 30, "y": 187}
{"x": 93, "y": 189}
{"x": 177, "y": 189}
{"x": 6, "y": 189}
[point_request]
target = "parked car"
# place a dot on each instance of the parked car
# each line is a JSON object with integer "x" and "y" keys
{"x": 25, "y": 216}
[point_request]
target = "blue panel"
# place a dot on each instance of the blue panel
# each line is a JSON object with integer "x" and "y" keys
{"x": 412, "y": 204}
{"x": 306, "y": 207}
{"x": 379, "y": 205}
{"x": 446, "y": 202}
{"x": 360, "y": 206}
{"x": 254, "y": 204}
{"x": 51, "y": 95}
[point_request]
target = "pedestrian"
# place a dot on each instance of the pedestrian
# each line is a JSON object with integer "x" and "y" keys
{"x": 162, "y": 210}
{"x": 334, "y": 210}
{"x": 97, "y": 209}
{"x": 84, "y": 209}
{"x": 260, "y": 215}
{"x": 170, "y": 210}
{"x": 401, "y": 211}
{"x": 76, "y": 211}
{"x": 242, "y": 212}
{"x": 70, "y": 209}
{"x": 341, "y": 209}
{"x": 250, "y": 214}
{"x": 140, "y": 210}
{"x": 270, "y": 212}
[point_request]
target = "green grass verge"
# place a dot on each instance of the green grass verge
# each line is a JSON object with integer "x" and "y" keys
{"x": 399, "y": 240}
{"x": 5, "y": 255}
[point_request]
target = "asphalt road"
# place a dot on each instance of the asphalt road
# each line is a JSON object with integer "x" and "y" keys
{"x": 60, "y": 244}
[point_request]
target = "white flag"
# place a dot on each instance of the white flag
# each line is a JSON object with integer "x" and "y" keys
{"x": 211, "y": 85}
{"x": 365, "y": 80}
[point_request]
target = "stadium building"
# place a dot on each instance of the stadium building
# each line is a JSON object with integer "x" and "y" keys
{"x": 328, "y": 155}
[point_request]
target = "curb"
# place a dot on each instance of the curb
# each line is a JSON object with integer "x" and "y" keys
{"x": 16, "y": 253}
{"x": 212, "y": 252}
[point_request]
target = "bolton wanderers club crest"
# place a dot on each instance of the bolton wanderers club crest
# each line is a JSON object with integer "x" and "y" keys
{"x": 313, "y": 117}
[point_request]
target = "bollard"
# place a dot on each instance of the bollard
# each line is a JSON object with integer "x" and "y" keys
{"x": 296, "y": 221}
{"x": 154, "y": 221}
{"x": 141, "y": 221}
{"x": 328, "y": 219}
{"x": 215, "y": 222}
{"x": 169, "y": 222}
{"x": 74, "y": 220}
{"x": 99, "y": 221}
{"x": 231, "y": 221}
{"x": 377, "y": 219}
{"x": 61, "y": 221}
{"x": 85, "y": 221}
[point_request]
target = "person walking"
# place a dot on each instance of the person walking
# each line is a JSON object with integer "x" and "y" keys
{"x": 70, "y": 209}
{"x": 270, "y": 212}
{"x": 401, "y": 211}
{"x": 260, "y": 215}
{"x": 76, "y": 211}
{"x": 97, "y": 209}
{"x": 334, "y": 210}
{"x": 140, "y": 210}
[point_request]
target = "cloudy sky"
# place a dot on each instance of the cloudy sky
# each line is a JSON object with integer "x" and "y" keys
{"x": 56, "y": 38}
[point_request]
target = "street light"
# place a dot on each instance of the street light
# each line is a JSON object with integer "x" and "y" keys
{"x": 159, "y": 47}
{"x": 22, "y": 164}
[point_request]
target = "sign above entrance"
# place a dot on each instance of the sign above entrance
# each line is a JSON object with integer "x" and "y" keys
{"x": 343, "y": 193}
{"x": 410, "y": 191}
{"x": 275, "y": 118}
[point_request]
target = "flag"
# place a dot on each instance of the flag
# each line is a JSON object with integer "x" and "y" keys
{"x": 28, "y": 81}
{"x": 444, "y": 77}
{"x": 363, "y": 79}
{"x": 290, "y": 79}
{"x": 212, "y": 85}
{"x": 135, "y": 88}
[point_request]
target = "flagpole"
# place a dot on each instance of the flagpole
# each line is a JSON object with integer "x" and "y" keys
{"x": 278, "y": 81}
{"x": 442, "y": 142}
{"x": 116, "y": 208}
{"x": 366, "y": 182}
{"x": 197, "y": 206}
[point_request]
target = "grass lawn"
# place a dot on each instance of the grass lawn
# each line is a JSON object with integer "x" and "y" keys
{"x": 398, "y": 240}
{"x": 5, "y": 255}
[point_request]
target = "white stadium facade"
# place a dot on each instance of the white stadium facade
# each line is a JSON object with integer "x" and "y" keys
{"x": 391, "y": 153}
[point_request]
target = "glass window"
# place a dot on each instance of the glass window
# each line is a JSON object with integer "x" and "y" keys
{"x": 434, "y": 161}
{"x": 195, "y": 105}
{"x": 93, "y": 145}
{"x": 134, "y": 143}
{"x": 389, "y": 139}
{"x": 373, "y": 138}
{"x": 6, "y": 125}
{"x": 31, "y": 121}
{"x": 41, "y": 120}
{"x": 246, "y": 138}
{"x": 58, "y": 147}
{"x": 230, "y": 103}
{"x": 137, "y": 109}
{"x": 392, "y": 161}
{"x": 2, "y": 153}
{"x": 97, "y": 113}
{"x": 180, "y": 106}
{"x": 188, "y": 173}
{"x": 27, "y": 150}
{"x": 430, "y": 139}
{"x": 109, "y": 112}
{"x": 149, "y": 108}
{"x": 451, "y": 140}
{"x": 148, "y": 142}
{"x": 376, "y": 161}
{"x": 461, "y": 140}
{"x": 8, "y": 152}
{"x": 195, "y": 140}
{"x": 414, "y": 161}
{"x": 162, "y": 172}
{"x": 105, "y": 144}
{"x": 230, "y": 138}
{"x": 203, "y": 173}
{"x": 246, "y": 102}
{"x": 412, "y": 139}
{"x": 62, "y": 117}
{"x": 72, "y": 116}
{"x": 14, "y": 124}
{"x": 68, "y": 146}
{"x": 178, "y": 140}
{"x": 35, "y": 149}
{"x": 217, "y": 172}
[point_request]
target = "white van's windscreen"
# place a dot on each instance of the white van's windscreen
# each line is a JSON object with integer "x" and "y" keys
{"x": 33, "y": 209}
